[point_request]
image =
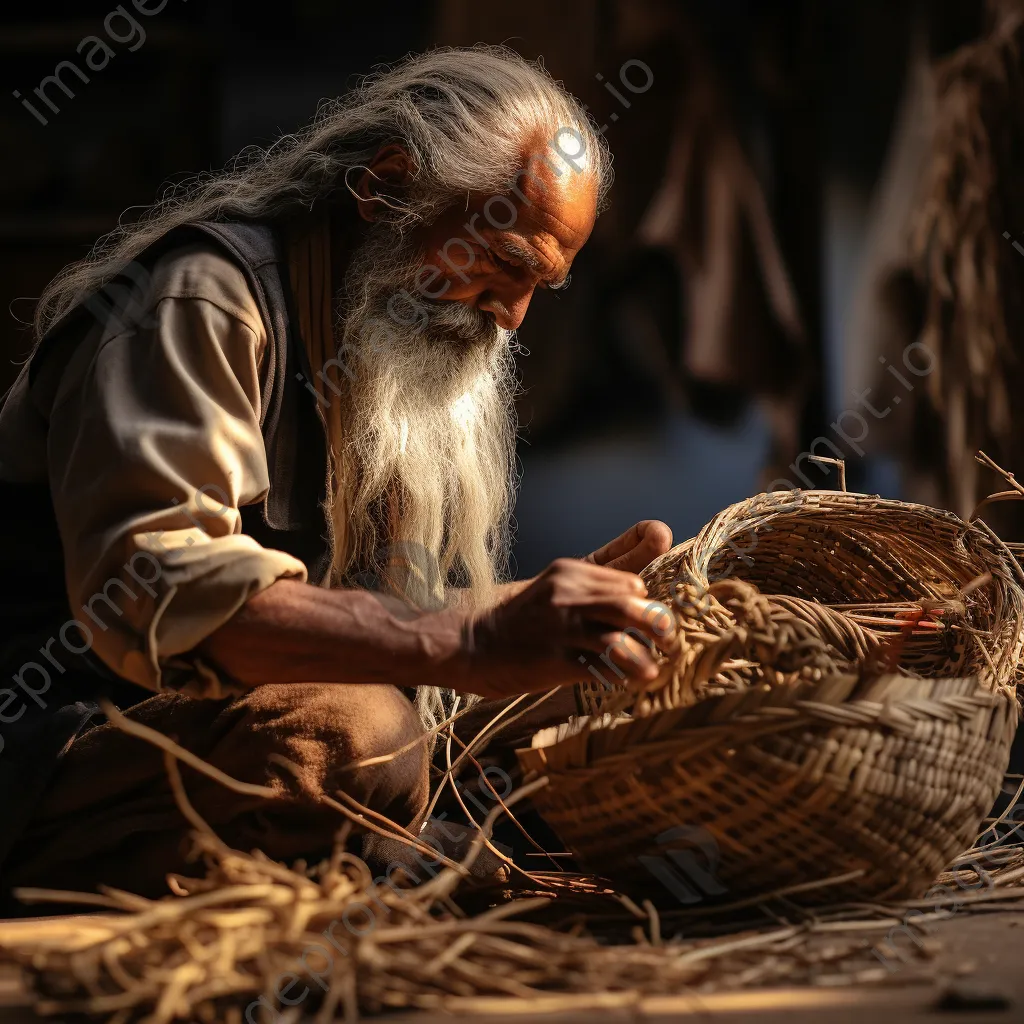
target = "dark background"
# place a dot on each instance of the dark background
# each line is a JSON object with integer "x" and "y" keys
{"x": 614, "y": 429}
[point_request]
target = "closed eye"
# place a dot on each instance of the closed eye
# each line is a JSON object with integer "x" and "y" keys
{"x": 514, "y": 256}
{"x": 504, "y": 264}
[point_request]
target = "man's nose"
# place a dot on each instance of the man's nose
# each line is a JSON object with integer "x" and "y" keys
{"x": 507, "y": 306}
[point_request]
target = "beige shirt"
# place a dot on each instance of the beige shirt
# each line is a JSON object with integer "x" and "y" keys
{"x": 148, "y": 429}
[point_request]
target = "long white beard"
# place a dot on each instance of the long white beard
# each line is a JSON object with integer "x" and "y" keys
{"x": 428, "y": 438}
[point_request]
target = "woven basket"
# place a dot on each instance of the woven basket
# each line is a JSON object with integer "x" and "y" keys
{"x": 841, "y": 704}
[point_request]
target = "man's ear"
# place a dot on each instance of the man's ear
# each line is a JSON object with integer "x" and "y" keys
{"x": 375, "y": 184}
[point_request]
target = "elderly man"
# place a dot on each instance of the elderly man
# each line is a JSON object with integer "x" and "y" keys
{"x": 261, "y": 468}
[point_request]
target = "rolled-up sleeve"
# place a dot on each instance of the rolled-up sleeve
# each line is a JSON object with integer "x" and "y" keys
{"x": 154, "y": 446}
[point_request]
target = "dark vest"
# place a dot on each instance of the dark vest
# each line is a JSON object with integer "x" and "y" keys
{"x": 33, "y": 602}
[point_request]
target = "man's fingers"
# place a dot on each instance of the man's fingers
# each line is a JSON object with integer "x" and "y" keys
{"x": 636, "y": 548}
{"x": 650, "y": 619}
{"x": 616, "y": 548}
{"x": 584, "y": 575}
{"x": 632, "y": 657}
{"x": 628, "y": 650}
{"x": 655, "y": 539}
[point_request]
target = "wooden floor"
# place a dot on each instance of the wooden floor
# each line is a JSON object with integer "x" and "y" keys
{"x": 980, "y": 969}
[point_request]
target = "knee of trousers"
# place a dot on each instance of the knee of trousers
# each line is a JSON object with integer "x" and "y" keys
{"x": 325, "y": 730}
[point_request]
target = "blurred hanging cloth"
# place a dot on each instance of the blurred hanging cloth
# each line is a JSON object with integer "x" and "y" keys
{"x": 742, "y": 328}
{"x": 944, "y": 284}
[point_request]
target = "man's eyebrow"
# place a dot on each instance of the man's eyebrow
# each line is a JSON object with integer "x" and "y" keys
{"x": 529, "y": 257}
{"x": 525, "y": 254}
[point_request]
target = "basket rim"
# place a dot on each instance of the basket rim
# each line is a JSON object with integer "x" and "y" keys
{"x": 958, "y": 553}
{"x": 811, "y": 501}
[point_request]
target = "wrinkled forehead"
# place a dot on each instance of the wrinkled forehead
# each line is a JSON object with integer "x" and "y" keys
{"x": 540, "y": 221}
{"x": 557, "y": 191}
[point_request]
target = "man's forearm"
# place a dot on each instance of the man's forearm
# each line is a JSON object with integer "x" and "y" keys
{"x": 460, "y": 599}
{"x": 294, "y": 632}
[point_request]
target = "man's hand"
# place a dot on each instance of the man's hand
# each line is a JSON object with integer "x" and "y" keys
{"x": 631, "y": 552}
{"x": 545, "y": 632}
{"x": 572, "y": 615}
{"x": 636, "y": 548}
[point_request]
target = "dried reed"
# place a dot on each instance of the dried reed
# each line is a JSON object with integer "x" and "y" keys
{"x": 254, "y": 934}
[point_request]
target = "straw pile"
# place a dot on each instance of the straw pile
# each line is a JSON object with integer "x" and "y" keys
{"x": 257, "y": 941}
{"x": 841, "y": 702}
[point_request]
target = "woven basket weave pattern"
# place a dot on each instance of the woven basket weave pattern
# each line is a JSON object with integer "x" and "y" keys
{"x": 842, "y": 702}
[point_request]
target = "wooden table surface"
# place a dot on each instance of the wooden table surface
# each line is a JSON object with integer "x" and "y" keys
{"x": 990, "y": 945}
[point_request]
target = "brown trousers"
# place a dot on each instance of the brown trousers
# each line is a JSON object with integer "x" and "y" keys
{"x": 109, "y": 816}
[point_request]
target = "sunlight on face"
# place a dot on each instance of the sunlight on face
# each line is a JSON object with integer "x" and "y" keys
{"x": 571, "y": 147}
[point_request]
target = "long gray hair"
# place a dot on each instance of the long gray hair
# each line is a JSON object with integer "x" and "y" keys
{"x": 463, "y": 114}
{"x": 467, "y": 117}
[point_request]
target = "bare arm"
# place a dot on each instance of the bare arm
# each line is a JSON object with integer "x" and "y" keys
{"x": 503, "y": 593}
{"x": 294, "y": 632}
{"x": 533, "y": 640}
